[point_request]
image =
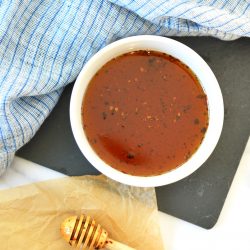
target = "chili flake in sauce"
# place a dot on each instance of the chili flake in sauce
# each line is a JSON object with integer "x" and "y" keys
{"x": 145, "y": 113}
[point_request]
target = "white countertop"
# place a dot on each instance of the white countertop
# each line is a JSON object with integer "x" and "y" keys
{"x": 232, "y": 231}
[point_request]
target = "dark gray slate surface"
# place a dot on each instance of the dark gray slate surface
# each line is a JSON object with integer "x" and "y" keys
{"x": 198, "y": 198}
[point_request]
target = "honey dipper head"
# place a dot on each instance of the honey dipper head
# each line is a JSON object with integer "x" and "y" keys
{"x": 67, "y": 227}
{"x": 83, "y": 232}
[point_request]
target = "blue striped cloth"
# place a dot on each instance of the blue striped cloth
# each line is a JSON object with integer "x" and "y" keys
{"x": 45, "y": 43}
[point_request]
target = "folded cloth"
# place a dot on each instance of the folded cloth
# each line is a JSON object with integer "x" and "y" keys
{"x": 45, "y": 43}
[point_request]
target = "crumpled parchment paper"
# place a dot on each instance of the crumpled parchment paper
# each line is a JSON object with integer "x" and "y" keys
{"x": 31, "y": 215}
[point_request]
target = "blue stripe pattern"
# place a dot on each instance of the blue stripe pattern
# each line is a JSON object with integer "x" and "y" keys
{"x": 45, "y": 43}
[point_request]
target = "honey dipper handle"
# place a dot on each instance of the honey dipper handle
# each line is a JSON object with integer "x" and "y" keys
{"x": 115, "y": 245}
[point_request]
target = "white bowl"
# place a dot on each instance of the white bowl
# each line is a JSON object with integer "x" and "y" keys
{"x": 184, "y": 54}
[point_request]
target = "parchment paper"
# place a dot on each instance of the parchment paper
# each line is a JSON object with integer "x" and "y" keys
{"x": 31, "y": 215}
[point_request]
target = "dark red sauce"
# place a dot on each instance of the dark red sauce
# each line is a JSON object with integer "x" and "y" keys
{"x": 145, "y": 113}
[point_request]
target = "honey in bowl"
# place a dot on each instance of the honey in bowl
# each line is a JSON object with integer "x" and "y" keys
{"x": 145, "y": 113}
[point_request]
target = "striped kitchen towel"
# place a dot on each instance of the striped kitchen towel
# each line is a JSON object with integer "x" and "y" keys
{"x": 45, "y": 43}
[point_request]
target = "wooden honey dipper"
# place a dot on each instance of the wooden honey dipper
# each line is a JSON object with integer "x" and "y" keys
{"x": 84, "y": 233}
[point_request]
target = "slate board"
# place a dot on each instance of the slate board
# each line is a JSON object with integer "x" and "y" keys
{"x": 198, "y": 198}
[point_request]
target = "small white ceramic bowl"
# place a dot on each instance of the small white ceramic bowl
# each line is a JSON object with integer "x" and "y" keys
{"x": 184, "y": 54}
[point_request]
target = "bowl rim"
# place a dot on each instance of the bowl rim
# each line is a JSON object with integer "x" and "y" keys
{"x": 176, "y": 49}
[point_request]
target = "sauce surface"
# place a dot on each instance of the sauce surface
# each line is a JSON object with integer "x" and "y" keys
{"x": 145, "y": 113}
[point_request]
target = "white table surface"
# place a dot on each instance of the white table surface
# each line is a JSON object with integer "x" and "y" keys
{"x": 232, "y": 231}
